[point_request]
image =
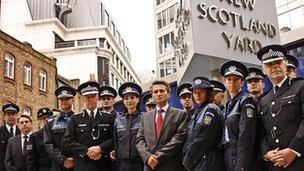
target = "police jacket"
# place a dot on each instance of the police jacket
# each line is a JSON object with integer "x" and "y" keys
{"x": 126, "y": 128}
{"x": 204, "y": 134}
{"x": 83, "y": 133}
{"x": 283, "y": 119}
{"x": 54, "y": 132}
{"x": 240, "y": 118}
{"x": 38, "y": 158}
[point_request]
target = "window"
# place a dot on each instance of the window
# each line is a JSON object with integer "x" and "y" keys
{"x": 159, "y": 21}
{"x": 26, "y": 111}
{"x": 9, "y": 65}
{"x": 117, "y": 83}
{"x": 27, "y": 73}
{"x": 113, "y": 28}
{"x": 117, "y": 63}
{"x": 167, "y": 67}
{"x": 42, "y": 80}
{"x": 118, "y": 38}
{"x": 172, "y": 11}
{"x": 164, "y": 17}
{"x": 107, "y": 19}
{"x": 101, "y": 42}
{"x": 165, "y": 43}
{"x": 112, "y": 79}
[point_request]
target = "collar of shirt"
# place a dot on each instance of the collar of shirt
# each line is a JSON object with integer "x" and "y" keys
{"x": 9, "y": 128}
{"x": 165, "y": 108}
{"x": 281, "y": 83}
{"x": 89, "y": 112}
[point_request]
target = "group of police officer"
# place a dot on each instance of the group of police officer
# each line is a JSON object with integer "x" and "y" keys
{"x": 255, "y": 131}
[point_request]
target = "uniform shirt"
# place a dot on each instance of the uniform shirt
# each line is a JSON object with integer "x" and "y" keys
{"x": 9, "y": 129}
{"x": 23, "y": 139}
{"x": 89, "y": 112}
{"x": 165, "y": 108}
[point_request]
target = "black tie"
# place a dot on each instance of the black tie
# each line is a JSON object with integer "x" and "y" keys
{"x": 12, "y": 131}
{"x": 92, "y": 115}
{"x": 24, "y": 150}
{"x": 276, "y": 89}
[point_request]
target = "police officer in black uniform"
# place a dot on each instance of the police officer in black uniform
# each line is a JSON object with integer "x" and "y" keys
{"x": 185, "y": 97}
{"x": 217, "y": 94}
{"x": 201, "y": 152}
{"x": 107, "y": 96}
{"x": 55, "y": 129}
{"x": 38, "y": 158}
{"x": 255, "y": 82}
{"x": 255, "y": 86}
{"x": 292, "y": 64}
{"x": 282, "y": 111}
{"x": 8, "y": 130}
{"x": 126, "y": 128}
{"x": 240, "y": 116}
{"x": 148, "y": 102}
{"x": 89, "y": 134}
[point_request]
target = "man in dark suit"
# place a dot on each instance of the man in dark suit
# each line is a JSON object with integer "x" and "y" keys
{"x": 38, "y": 158}
{"x": 16, "y": 158}
{"x": 8, "y": 130}
{"x": 282, "y": 111}
{"x": 89, "y": 134}
{"x": 162, "y": 133}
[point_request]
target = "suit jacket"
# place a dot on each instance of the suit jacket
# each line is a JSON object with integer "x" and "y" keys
{"x": 168, "y": 147}
{"x": 4, "y": 136}
{"x": 14, "y": 161}
{"x": 282, "y": 114}
{"x": 83, "y": 133}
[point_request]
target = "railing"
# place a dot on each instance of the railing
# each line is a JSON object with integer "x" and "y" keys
{"x": 64, "y": 44}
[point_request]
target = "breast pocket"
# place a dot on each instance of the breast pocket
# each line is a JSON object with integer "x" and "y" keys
{"x": 290, "y": 109}
{"x": 105, "y": 130}
{"x": 83, "y": 129}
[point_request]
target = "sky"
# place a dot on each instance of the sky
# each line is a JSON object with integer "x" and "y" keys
{"x": 135, "y": 21}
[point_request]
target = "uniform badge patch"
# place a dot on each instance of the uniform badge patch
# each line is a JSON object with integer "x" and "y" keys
{"x": 249, "y": 112}
{"x": 207, "y": 120}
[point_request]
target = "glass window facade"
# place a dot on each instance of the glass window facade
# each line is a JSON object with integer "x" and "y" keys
{"x": 290, "y": 13}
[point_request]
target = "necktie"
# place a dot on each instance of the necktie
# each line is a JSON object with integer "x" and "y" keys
{"x": 159, "y": 122}
{"x": 24, "y": 152}
{"x": 276, "y": 89}
{"x": 12, "y": 131}
{"x": 92, "y": 115}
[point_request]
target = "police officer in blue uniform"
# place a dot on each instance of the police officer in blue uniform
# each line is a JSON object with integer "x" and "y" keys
{"x": 292, "y": 64}
{"x": 107, "y": 96}
{"x": 148, "y": 102}
{"x": 126, "y": 128}
{"x": 282, "y": 112}
{"x": 8, "y": 130}
{"x": 38, "y": 158}
{"x": 55, "y": 129}
{"x": 255, "y": 86}
{"x": 89, "y": 135}
{"x": 217, "y": 94}
{"x": 201, "y": 152}
{"x": 185, "y": 97}
{"x": 240, "y": 116}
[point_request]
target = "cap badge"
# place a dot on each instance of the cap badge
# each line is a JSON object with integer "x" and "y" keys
{"x": 232, "y": 68}
{"x": 128, "y": 89}
{"x": 252, "y": 74}
{"x": 198, "y": 81}
{"x": 64, "y": 92}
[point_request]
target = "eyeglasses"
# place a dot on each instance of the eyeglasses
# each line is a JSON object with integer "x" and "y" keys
{"x": 24, "y": 122}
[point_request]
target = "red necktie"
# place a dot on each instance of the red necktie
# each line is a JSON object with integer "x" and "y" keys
{"x": 159, "y": 122}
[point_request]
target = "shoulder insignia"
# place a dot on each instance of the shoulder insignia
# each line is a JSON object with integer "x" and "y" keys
{"x": 207, "y": 119}
{"x": 249, "y": 112}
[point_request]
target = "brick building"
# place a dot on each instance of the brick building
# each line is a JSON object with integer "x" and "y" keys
{"x": 27, "y": 77}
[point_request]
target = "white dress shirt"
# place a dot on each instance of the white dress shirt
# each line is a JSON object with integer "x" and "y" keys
{"x": 9, "y": 129}
{"x": 165, "y": 108}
